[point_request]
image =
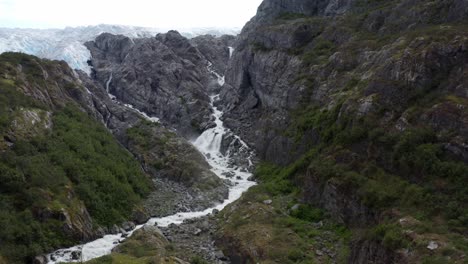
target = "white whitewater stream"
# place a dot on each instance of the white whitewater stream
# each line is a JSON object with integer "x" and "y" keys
{"x": 210, "y": 145}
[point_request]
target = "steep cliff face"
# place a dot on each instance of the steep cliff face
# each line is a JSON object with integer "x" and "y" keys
{"x": 297, "y": 52}
{"x": 217, "y": 50}
{"x": 166, "y": 77}
{"x": 158, "y": 76}
{"x": 359, "y": 99}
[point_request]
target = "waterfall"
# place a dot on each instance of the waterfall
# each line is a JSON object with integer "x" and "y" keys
{"x": 112, "y": 97}
{"x": 220, "y": 78}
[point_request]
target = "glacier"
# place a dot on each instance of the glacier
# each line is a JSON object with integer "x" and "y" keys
{"x": 68, "y": 44}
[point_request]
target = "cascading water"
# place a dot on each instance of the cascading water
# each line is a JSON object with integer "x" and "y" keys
{"x": 112, "y": 97}
{"x": 223, "y": 165}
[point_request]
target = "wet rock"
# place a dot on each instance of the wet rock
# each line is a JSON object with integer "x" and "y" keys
{"x": 101, "y": 232}
{"x": 128, "y": 226}
{"x": 114, "y": 230}
{"x": 220, "y": 255}
{"x": 140, "y": 217}
{"x": 229, "y": 174}
{"x": 76, "y": 255}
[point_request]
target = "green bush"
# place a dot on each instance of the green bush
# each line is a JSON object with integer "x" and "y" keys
{"x": 198, "y": 260}
{"x": 390, "y": 235}
{"x": 78, "y": 157}
{"x": 308, "y": 213}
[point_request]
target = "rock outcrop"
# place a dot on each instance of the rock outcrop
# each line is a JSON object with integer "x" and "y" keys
{"x": 328, "y": 76}
{"x": 217, "y": 50}
{"x": 164, "y": 76}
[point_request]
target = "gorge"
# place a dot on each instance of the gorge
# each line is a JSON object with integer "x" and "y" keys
{"x": 327, "y": 131}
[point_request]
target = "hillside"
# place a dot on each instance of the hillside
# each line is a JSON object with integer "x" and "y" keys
{"x": 357, "y": 108}
{"x": 62, "y": 172}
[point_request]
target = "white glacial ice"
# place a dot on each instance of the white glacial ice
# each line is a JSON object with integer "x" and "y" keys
{"x": 68, "y": 44}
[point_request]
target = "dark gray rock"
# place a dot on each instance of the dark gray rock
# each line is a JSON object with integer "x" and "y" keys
{"x": 163, "y": 76}
{"x": 128, "y": 226}
{"x": 114, "y": 230}
{"x": 76, "y": 255}
{"x": 140, "y": 217}
{"x": 215, "y": 49}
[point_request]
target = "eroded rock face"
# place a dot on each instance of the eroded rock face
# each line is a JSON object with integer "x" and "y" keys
{"x": 164, "y": 76}
{"x": 215, "y": 49}
{"x": 267, "y": 78}
{"x": 295, "y": 55}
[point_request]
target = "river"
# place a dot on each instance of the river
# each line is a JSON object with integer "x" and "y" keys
{"x": 209, "y": 143}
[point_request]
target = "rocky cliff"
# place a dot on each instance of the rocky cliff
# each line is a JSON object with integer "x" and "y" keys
{"x": 165, "y": 76}
{"x": 363, "y": 105}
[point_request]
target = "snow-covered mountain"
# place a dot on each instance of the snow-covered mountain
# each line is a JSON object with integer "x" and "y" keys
{"x": 67, "y": 44}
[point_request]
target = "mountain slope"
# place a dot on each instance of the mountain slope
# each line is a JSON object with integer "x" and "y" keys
{"x": 66, "y": 179}
{"x": 359, "y": 107}
{"x": 62, "y": 172}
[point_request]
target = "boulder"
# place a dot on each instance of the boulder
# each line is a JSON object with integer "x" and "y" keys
{"x": 128, "y": 226}
{"x": 40, "y": 260}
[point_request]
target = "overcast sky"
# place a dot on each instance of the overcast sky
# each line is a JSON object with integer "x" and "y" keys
{"x": 148, "y": 13}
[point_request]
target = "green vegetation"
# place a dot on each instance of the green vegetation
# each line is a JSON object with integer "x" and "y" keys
{"x": 170, "y": 156}
{"x": 320, "y": 53}
{"x": 51, "y": 177}
{"x": 260, "y": 47}
{"x": 143, "y": 247}
{"x": 291, "y": 16}
{"x": 284, "y": 231}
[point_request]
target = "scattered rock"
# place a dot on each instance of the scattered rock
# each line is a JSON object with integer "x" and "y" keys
{"x": 318, "y": 224}
{"x": 268, "y": 202}
{"x": 40, "y": 260}
{"x": 197, "y": 232}
{"x": 128, "y": 226}
{"x": 295, "y": 207}
{"x": 76, "y": 255}
{"x": 318, "y": 253}
{"x": 114, "y": 230}
{"x": 433, "y": 245}
{"x": 140, "y": 217}
{"x": 408, "y": 221}
{"x": 101, "y": 232}
{"x": 220, "y": 255}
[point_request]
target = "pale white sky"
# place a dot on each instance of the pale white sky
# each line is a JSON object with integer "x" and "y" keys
{"x": 147, "y": 13}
